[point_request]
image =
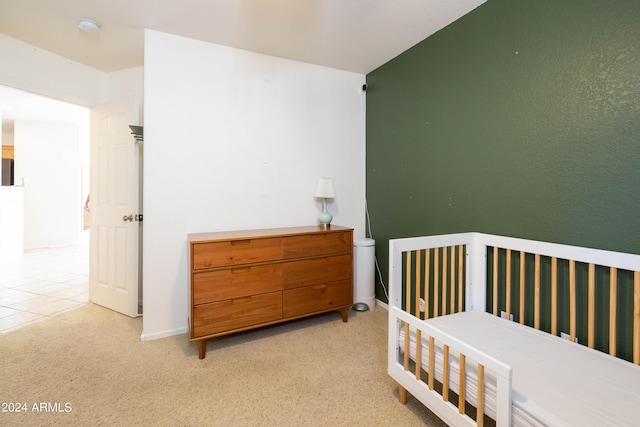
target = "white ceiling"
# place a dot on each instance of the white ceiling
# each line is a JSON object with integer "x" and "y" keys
{"x": 350, "y": 35}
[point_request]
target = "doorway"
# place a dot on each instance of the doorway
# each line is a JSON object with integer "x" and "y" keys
{"x": 52, "y": 275}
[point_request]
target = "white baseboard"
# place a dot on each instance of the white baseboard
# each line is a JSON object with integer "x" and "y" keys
{"x": 382, "y": 304}
{"x": 163, "y": 334}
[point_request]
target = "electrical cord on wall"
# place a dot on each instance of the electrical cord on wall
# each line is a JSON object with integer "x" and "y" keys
{"x": 365, "y": 86}
{"x": 384, "y": 288}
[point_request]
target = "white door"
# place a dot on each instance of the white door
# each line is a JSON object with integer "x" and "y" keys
{"x": 113, "y": 250}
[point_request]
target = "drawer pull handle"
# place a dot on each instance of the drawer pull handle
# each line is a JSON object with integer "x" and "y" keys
{"x": 243, "y": 300}
{"x": 240, "y": 242}
{"x": 241, "y": 270}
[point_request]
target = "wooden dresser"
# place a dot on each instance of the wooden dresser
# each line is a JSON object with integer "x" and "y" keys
{"x": 242, "y": 280}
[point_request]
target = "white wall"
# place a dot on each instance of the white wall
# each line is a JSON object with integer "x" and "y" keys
{"x": 7, "y": 136}
{"x": 29, "y": 68}
{"x": 47, "y": 154}
{"x": 124, "y": 83}
{"x": 238, "y": 140}
{"x": 11, "y": 224}
{"x": 38, "y": 71}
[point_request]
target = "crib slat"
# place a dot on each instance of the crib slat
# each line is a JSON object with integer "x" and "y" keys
{"x": 432, "y": 357}
{"x": 536, "y": 300}
{"x": 436, "y": 276}
{"x": 480, "y": 413}
{"x": 636, "y": 317}
{"x": 554, "y": 295}
{"x": 419, "y": 285}
{"x": 444, "y": 281}
{"x": 495, "y": 280}
{"x": 521, "y": 316}
{"x": 460, "y": 281}
{"x": 572, "y": 300}
{"x": 592, "y": 305}
{"x": 452, "y": 281}
{"x": 418, "y": 353}
{"x": 463, "y": 384}
{"x": 508, "y": 284}
{"x": 445, "y": 374}
{"x": 613, "y": 291}
{"x": 407, "y": 294}
{"x": 427, "y": 283}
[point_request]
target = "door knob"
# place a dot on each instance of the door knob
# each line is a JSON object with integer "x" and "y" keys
{"x": 128, "y": 218}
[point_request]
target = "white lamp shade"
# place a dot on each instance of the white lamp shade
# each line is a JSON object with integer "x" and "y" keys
{"x": 325, "y": 189}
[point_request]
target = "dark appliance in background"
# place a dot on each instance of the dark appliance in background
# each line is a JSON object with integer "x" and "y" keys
{"x": 7, "y": 171}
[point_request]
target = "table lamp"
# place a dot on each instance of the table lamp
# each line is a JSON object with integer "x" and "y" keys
{"x": 325, "y": 191}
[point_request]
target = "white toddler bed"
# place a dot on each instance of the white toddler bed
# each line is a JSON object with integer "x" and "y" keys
{"x": 505, "y": 370}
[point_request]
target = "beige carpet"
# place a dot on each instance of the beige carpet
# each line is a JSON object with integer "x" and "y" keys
{"x": 89, "y": 367}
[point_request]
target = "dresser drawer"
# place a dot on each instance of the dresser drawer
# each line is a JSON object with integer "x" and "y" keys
{"x": 318, "y": 270}
{"x": 211, "y": 286}
{"x": 235, "y": 252}
{"x": 238, "y": 313}
{"x": 317, "y": 245}
{"x": 316, "y": 298}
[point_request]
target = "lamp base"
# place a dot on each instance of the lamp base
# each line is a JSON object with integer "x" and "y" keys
{"x": 324, "y": 226}
{"x": 325, "y": 217}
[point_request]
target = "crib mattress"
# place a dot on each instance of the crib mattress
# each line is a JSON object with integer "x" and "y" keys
{"x": 555, "y": 382}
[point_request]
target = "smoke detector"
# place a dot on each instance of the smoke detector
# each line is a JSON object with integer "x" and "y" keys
{"x": 88, "y": 25}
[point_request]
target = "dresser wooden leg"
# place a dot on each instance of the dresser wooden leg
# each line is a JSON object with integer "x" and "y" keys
{"x": 202, "y": 349}
{"x": 345, "y": 314}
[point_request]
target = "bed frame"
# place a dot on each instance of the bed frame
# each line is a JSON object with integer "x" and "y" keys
{"x": 586, "y": 295}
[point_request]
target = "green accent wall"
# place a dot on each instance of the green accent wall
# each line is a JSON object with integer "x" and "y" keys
{"x": 522, "y": 118}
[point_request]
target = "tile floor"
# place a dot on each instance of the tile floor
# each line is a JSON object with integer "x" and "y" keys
{"x": 45, "y": 283}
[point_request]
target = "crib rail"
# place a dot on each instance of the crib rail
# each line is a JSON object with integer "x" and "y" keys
{"x": 434, "y": 281}
{"x": 438, "y": 399}
{"x": 441, "y": 270}
{"x": 587, "y": 295}
{"x": 591, "y": 296}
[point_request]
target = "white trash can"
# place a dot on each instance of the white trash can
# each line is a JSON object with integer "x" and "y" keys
{"x": 364, "y": 292}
